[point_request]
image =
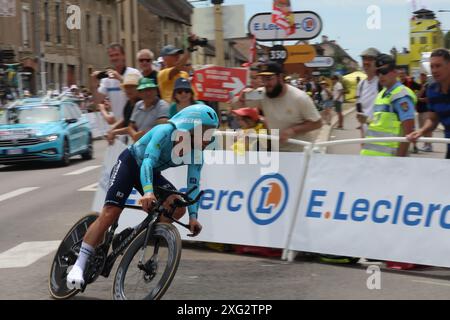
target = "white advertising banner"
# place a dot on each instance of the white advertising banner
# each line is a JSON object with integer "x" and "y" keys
{"x": 99, "y": 127}
{"x": 241, "y": 205}
{"x": 394, "y": 209}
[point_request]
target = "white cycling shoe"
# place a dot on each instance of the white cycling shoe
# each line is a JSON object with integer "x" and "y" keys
{"x": 75, "y": 278}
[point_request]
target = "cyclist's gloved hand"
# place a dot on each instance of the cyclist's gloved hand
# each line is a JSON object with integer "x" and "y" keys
{"x": 195, "y": 227}
{"x": 147, "y": 201}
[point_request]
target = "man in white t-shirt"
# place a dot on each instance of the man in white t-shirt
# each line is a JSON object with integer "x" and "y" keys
{"x": 368, "y": 89}
{"x": 285, "y": 108}
{"x": 338, "y": 99}
{"x": 106, "y": 84}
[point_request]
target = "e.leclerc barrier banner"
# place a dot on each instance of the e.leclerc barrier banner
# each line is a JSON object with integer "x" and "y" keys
{"x": 242, "y": 204}
{"x": 386, "y": 208}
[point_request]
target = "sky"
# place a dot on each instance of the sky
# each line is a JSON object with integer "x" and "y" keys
{"x": 346, "y": 20}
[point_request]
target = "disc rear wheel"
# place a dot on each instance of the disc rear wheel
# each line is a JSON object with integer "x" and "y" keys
{"x": 66, "y": 256}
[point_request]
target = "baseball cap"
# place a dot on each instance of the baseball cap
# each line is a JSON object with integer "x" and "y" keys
{"x": 371, "y": 52}
{"x": 384, "y": 59}
{"x": 182, "y": 83}
{"x": 146, "y": 83}
{"x": 170, "y": 50}
{"x": 269, "y": 68}
{"x": 252, "y": 113}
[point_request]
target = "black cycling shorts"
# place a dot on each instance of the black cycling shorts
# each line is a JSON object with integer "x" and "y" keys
{"x": 125, "y": 176}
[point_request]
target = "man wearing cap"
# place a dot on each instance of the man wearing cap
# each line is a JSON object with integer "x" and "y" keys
{"x": 393, "y": 112}
{"x": 368, "y": 89}
{"x": 285, "y": 108}
{"x": 174, "y": 61}
{"x": 149, "y": 112}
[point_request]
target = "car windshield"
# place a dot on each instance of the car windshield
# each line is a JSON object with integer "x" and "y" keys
{"x": 32, "y": 115}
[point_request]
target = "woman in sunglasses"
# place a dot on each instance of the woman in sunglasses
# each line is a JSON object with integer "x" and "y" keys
{"x": 183, "y": 96}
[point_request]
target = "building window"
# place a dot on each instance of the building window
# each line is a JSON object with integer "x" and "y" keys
{"x": 100, "y": 29}
{"x": 423, "y": 40}
{"x": 25, "y": 29}
{"x": 166, "y": 40}
{"x": 413, "y": 40}
{"x": 88, "y": 27}
{"x": 434, "y": 39}
{"x": 47, "y": 22}
{"x": 58, "y": 22}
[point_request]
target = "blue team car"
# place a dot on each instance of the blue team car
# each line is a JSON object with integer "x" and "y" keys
{"x": 44, "y": 130}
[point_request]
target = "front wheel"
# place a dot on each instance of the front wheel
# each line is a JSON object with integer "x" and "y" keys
{"x": 146, "y": 270}
{"x": 66, "y": 256}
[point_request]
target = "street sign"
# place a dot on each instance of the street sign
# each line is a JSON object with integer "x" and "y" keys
{"x": 320, "y": 62}
{"x": 278, "y": 53}
{"x": 233, "y": 18}
{"x": 300, "y": 54}
{"x": 308, "y": 25}
{"x": 219, "y": 83}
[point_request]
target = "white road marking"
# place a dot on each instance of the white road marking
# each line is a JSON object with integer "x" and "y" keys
{"x": 91, "y": 188}
{"x": 26, "y": 253}
{"x": 81, "y": 171}
{"x": 433, "y": 283}
{"x": 16, "y": 193}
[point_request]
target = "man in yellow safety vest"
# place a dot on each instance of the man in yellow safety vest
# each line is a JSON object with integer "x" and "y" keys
{"x": 393, "y": 112}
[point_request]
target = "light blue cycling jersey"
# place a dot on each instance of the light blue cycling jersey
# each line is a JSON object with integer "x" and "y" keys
{"x": 154, "y": 152}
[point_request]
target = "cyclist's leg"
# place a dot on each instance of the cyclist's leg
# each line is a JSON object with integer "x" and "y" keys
{"x": 161, "y": 181}
{"x": 120, "y": 186}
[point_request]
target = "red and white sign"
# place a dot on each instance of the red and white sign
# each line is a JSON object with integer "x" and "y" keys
{"x": 219, "y": 83}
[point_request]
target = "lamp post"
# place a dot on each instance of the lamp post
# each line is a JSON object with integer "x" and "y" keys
{"x": 220, "y": 51}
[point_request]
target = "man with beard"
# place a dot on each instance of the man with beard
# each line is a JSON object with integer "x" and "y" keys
{"x": 285, "y": 108}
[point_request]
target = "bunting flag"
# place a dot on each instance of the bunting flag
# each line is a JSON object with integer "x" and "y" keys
{"x": 282, "y": 16}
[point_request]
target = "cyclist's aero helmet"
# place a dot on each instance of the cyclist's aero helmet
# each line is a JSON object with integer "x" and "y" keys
{"x": 190, "y": 117}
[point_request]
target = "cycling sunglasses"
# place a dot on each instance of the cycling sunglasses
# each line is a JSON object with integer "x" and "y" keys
{"x": 145, "y": 60}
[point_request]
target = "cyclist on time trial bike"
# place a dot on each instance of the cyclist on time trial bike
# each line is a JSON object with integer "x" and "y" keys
{"x": 140, "y": 167}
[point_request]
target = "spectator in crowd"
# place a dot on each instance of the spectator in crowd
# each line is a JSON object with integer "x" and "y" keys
{"x": 106, "y": 84}
{"x": 106, "y": 111}
{"x": 338, "y": 99}
{"x": 183, "y": 96}
{"x": 326, "y": 101}
{"x": 422, "y": 110}
{"x": 149, "y": 112}
{"x": 367, "y": 89}
{"x": 438, "y": 95}
{"x": 145, "y": 59}
{"x": 175, "y": 61}
{"x": 121, "y": 127}
{"x": 285, "y": 108}
{"x": 250, "y": 122}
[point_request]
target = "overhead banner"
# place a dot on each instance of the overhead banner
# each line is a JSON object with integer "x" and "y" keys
{"x": 308, "y": 25}
{"x": 241, "y": 205}
{"x": 386, "y": 208}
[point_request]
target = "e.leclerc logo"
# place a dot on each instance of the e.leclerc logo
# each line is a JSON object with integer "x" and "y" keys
{"x": 268, "y": 199}
{"x": 309, "y": 24}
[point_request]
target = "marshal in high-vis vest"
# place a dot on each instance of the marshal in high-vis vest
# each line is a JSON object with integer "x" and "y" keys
{"x": 393, "y": 112}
